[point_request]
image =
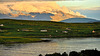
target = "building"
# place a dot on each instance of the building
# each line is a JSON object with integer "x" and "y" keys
{"x": 64, "y": 31}
{"x": 18, "y": 30}
{"x": 93, "y": 31}
{"x": 43, "y": 30}
{"x": 56, "y": 30}
{"x": 25, "y": 30}
{"x": 68, "y": 29}
{"x": 1, "y": 25}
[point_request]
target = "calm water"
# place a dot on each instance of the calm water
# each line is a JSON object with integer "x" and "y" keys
{"x": 57, "y": 45}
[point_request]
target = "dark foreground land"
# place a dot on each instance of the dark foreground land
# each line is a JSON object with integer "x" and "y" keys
{"x": 16, "y": 31}
{"x": 74, "y": 53}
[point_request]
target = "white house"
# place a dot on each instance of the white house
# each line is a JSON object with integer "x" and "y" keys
{"x": 18, "y": 30}
{"x": 43, "y": 30}
{"x": 1, "y": 25}
{"x": 56, "y": 30}
{"x": 25, "y": 30}
{"x": 64, "y": 31}
{"x": 68, "y": 29}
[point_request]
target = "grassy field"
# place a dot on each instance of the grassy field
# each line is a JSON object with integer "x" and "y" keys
{"x": 17, "y": 40}
{"x": 24, "y": 28}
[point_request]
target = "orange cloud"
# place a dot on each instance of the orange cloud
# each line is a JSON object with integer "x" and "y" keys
{"x": 60, "y": 13}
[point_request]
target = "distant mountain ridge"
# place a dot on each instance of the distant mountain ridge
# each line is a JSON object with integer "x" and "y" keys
{"x": 80, "y": 20}
{"x": 47, "y": 17}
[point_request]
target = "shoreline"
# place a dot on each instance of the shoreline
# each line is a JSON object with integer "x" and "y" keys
{"x": 12, "y": 40}
{"x": 63, "y": 37}
{"x": 26, "y": 42}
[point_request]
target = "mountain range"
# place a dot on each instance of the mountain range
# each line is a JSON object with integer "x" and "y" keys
{"x": 80, "y": 20}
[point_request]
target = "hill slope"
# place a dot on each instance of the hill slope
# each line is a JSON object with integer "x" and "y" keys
{"x": 24, "y": 28}
{"x": 79, "y": 20}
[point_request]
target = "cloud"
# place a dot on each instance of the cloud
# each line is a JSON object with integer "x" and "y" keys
{"x": 36, "y": 0}
{"x": 24, "y": 8}
{"x": 4, "y": 9}
{"x": 75, "y": 7}
{"x": 93, "y": 8}
{"x": 83, "y": 8}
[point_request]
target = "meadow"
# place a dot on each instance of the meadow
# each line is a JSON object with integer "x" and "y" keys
{"x": 48, "y": 29}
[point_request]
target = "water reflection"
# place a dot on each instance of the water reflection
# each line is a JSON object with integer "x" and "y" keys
{"x": 57, "y": 45}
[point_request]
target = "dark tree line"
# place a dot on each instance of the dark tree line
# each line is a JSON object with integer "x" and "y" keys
{"x": 74, "y": 53}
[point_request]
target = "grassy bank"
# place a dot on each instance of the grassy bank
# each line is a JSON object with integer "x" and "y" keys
{"x": 4, "y": 40}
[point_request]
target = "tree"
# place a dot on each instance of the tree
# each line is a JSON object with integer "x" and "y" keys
{"x": 64, "y": 54}
{"x": 74, "y": 53}
{"x": 40, "y": 55}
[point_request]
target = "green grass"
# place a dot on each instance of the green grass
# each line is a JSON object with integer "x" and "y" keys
{"x": 17, "y": 40}
{"x": 77, "y": 29}
{"x": 9, "y": 33}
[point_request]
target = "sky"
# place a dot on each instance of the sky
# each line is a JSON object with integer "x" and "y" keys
{"x": 84, "y": 4}
{"x": 90, "y": 8}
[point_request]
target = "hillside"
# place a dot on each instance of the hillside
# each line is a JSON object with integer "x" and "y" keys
{"x": 24, "y": 28}
{"x": 80, "y": 20}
